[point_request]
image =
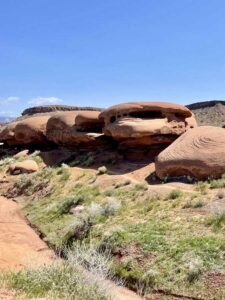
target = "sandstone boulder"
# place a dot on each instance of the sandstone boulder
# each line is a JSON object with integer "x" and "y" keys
{"x": 21, "y": 154}
{"x": 75, "y": 128}
{"x": 7, "y": 134}
{"x": 199, "y": 152}
{"x": 26, "y": 166}
{"x": 31, "y": 130}
{"x": 146, "y": 123}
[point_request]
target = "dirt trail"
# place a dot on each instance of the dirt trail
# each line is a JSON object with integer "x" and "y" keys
{"x": 19, "y": 244}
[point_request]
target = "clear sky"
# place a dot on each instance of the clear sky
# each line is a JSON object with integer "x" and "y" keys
{"x": 103, "y": 52}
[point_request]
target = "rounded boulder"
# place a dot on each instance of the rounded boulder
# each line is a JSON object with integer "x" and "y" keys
{"x": 199, "y": 153}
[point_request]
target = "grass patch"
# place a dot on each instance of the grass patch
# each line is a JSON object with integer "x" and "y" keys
{"x": 64, "y": 279}
{"x": 175, "y": 194}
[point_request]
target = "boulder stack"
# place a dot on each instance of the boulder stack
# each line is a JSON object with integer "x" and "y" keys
{"x": 140, "y": 124}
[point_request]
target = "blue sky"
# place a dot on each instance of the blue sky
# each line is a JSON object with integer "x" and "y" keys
{"x": 103, "y": 52}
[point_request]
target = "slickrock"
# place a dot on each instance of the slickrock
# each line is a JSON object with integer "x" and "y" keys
{"x": 20, "y": 245}
{"x": 199, "y": 152}
{"x": 26, "y": 166}
{"x": 146, "y": 123}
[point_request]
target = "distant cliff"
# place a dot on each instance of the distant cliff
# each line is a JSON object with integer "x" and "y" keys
{"x": 209, "y": 112}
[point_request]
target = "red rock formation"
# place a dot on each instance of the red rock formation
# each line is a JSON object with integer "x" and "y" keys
{"x": 199, "y": 152}
{"x": 62, "y": 128}
{"x": 31, "y": 130}
{"x": 7, "y": 134}
{"x": 146, "y": 123}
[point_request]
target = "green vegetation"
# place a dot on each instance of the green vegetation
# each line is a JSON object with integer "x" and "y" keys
{"x": 175, "y": 194}
{"x": 157, "y": 242}
{"x": 195, "y": 203}
{"x": 64, "y": 279}
{"x": 102, "y": 170}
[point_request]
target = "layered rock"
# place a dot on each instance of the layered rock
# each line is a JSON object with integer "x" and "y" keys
{"x": 54, "y": 108}
{"x": 75, "y": 128}
{"x": 146, "y": 123}
{"x": 209, "y": 112}
{"x": 199, "y": 153}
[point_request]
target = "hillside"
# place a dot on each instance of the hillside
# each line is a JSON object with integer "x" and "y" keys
{"x": 209, "y": 112}
{"x": 166, "y": 240}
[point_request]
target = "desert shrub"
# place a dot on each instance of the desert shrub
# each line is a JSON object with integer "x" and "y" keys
{"x": 6, "y": 161}
{"x": 95, "y": 210}
{"x": 64, "y": 171}
{"x": 85, "y": 160}
{"x": 141, "y": 187}
{"x": 78, "y": 228}
{"x": 36, "y": 157}
{"x": 175, "y": 194}
{"x": 195, "y": 203}
{"x": 217, "y": 219}
{"x": 102, "y": 170}
{"x": 65, "y": 204}
{"x": 112, "y": 206}
{"x": 217, "y": 184}
{"x": 65, "y": 279}
{"x": 202, "y": 187}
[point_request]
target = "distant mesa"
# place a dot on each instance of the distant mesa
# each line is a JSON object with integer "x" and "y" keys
{"x": 54, "y": 108}
{"x": 204, "y": 104}
{"x": 209, "y": 112}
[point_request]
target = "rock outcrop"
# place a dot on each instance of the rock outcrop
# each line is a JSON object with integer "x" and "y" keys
{"x": 199, "y": 153}
{"x": 26, "y": 166}
{"x": 31, "y": 130}
{"x": 75, "y": 128}
{"x": 7, "y": 134}
{"x": 146, "y": 123}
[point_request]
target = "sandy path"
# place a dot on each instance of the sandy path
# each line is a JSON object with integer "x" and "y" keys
{"x": 20, "y": 246}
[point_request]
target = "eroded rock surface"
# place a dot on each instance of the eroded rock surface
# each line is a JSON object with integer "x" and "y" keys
{"x": 146, "y": 123}
{"x": 74, "y": 128}
{"x": 7, "y": 134}
{"x": 199, "y": 153}
{"x": 31, "y": 130}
